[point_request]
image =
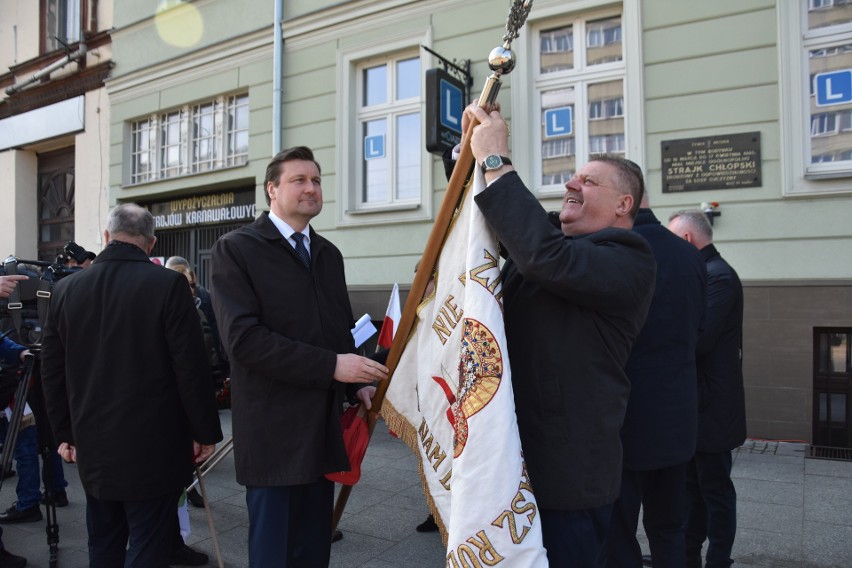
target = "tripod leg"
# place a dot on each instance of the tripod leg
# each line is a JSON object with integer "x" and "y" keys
{"x": 48, "y": 451}
{"x": 11, "y": 440}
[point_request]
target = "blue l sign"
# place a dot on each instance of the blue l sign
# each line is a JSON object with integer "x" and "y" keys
{"x": 557, "y": 122}
{"x": 833, "y": 88}
{"x": 451, "y": 106}
{"x": 374, "y": 147}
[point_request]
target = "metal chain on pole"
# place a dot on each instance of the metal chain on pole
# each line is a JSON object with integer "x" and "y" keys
{"x": 515, "y": 20}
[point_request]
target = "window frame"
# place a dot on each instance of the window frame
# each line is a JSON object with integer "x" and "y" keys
{"x": 801, "y": 177}
{"x": 390, "y": 111}
{"x": 350, "y": 150}
{"x": 154, "y": 128}
{"x": 81, "y": 8}
{"x": 528, "y": 84}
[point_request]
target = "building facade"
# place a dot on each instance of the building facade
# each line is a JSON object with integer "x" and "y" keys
{"x": 739, "y": 107}
{"x": 55, "y": 56}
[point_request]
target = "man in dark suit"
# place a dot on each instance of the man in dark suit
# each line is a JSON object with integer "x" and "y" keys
{"x": 721, "y": 402}
{"x": 280, "y": 296}
{"x": 659, "y": 428}
{"x": 574, "y": 301}
{"x": 127, "y": 390}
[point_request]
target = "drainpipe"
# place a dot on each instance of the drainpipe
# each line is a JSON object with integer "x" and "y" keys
{"x": 277, "y": 58}
{"x": 76, "y": 56}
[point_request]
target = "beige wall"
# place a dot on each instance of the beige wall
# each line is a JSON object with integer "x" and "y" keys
{"x": 91, "y": 163}
{"x": 18, "y": 232}
{"x": 19, "y": 32}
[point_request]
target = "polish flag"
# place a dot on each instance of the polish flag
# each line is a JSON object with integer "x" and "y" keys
{"x": 391, "y": 322}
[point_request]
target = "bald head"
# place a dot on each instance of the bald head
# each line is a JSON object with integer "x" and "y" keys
{"x": 692, "y": 225}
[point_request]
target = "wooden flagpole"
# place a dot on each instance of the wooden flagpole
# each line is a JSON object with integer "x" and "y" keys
{"x": 428, "y": 261}
{"x": 501, "y": 61}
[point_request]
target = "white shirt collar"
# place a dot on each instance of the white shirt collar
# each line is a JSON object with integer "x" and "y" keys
{"x": 287, "y": 231}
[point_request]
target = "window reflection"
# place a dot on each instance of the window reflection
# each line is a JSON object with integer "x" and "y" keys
{"x": 408, "y": 156}
{"x": 375, "y": 85}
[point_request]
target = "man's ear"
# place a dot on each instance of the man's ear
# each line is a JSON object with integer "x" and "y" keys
{"x": 151, "y": 244}
{"x": 269, "y": 186}
{"x": 625, "y": 204}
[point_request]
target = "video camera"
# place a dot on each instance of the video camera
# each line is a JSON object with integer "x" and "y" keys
{"x": 22, "y": 314}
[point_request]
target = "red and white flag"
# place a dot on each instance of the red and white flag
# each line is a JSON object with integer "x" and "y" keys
{"x": 451, "y": 401}
{"x": 391, "y": 322}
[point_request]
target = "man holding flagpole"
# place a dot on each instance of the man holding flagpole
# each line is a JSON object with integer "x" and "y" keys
{"x": 574, "y": 301}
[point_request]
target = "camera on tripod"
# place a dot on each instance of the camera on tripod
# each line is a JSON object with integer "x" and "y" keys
{"x": 25, "y": 310}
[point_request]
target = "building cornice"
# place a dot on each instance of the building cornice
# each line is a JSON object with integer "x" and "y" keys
{"x": 32, "y": 66}
{"x": 185, "y": 69}
{"x": 353, "y": 18}
{"x": 56, "y": 90}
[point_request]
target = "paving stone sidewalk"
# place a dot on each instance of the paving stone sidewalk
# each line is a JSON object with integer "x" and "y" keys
{"x": 793, "y": 511}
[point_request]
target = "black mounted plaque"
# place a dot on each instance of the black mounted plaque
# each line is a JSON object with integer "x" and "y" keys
{"x": 711, "y": 162}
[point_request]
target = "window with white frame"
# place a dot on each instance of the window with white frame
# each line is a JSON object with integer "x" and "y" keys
{"x": 60, "y": 23}
{"x": 193, "y": 139}
{"x": 816, "y": 84}
{"x": 579, "y": 88}
{"x": 388, "y": 127}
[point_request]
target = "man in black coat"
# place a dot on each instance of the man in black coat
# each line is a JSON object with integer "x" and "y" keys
{"x": 283, "y": 308}
{"x": 127, "y": 390}
{"x": 574, "y": 301}
{"x": 660, "y": 426}
{"x": 721, "y": 402}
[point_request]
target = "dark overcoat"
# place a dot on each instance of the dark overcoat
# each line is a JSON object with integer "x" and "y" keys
{"x": 721, "y": 396}
{"x": 660, "y": 426}
{"x": 282, "y": 327}
{"x": 572, "y": 308}
{"x": 126, "y": 377}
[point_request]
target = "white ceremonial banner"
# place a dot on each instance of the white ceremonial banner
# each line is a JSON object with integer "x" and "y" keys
{"x": 451, "y": 401}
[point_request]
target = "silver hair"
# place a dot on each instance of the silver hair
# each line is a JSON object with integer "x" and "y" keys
{"x": 131, "y": 220}
{"x": 696, "y": 219}
{"x": 176, "y": 261}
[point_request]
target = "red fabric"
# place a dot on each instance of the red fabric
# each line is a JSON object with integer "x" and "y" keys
{"x": 356, "y": 436}
{"x": 391, "y": 321}
{"x": 386, "y": 333}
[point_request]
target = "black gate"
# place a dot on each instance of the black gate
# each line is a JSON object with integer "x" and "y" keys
{"x": 194, "y": 245}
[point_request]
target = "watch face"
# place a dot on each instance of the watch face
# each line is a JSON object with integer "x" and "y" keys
{"x": 493, "y": 162}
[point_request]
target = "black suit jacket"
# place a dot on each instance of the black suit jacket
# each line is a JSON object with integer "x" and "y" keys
{"x": 661, "y": 421}
{"x": 721, "y": 396}
{"x": 572, "y": 310}
{"x": 126, "y": 377}
{"x": 283, "y": 328}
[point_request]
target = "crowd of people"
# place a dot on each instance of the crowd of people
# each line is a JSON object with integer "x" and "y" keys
{"x": 624, "y": 335}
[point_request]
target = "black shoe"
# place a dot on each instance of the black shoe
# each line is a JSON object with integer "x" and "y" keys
{"x": 9, "y": 560}
{"x": 338, "y": 535}
{"x": 60, "y": 499}
{"x": 185, "y": 556}
{"x": 429, "y": 525}
{"x": 646, "y": 560}
{"x": 195, "y": 498}
{"x": 8, "y": 474}
{"x": 13, "y": 515}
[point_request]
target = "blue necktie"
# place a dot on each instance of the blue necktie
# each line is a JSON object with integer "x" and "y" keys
{"x": 301, "y": 250}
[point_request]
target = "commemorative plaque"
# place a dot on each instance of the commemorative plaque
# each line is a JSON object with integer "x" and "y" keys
{"x": 711, "y": 162}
